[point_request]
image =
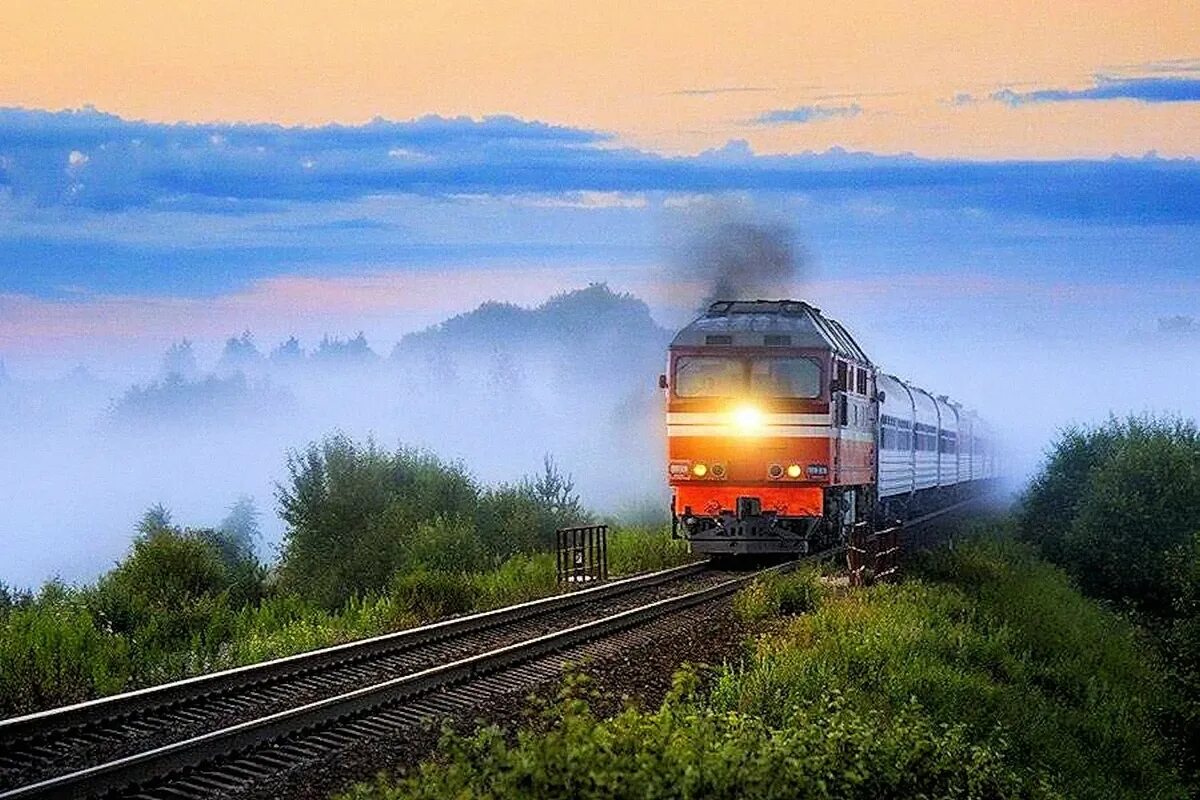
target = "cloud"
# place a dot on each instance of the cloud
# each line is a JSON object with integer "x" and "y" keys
{"x": 714, "y": 90}
{"x": 161, "y": 208}
{"x": 1171, "y": 89}
{"x": 804, "y": 114}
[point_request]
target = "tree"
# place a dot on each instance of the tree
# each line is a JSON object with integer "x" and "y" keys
{"x": 345, "y": 351}
{"x": 240, "y": 355}
{"x": 287, "y": 353}
{"x": 556, "y": 492}
{"x": 240, "y": 526}
{"x": 180, "y": 361}
{"x": 354, "y": 513}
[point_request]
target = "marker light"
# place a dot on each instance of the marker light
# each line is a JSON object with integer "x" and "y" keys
{"x": 794, "y": 470}
{"x": 748, "y": 419}
{"x": 699, "y": 470}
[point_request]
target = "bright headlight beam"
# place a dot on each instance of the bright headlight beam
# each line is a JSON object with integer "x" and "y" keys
{"x": 748, "y": 419}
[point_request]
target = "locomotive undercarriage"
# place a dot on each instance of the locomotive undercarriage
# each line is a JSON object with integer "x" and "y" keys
{"x": 749, "y": 530}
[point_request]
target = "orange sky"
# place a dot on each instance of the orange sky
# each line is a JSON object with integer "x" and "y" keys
{"x": 614, "y": 65}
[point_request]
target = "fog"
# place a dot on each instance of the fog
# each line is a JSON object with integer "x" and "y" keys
{"x": 499, "y": 388}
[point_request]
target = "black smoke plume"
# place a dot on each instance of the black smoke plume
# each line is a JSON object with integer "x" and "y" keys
{"x": 740, "y": 259}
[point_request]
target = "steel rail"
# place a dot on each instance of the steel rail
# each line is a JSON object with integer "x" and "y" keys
{"x": 136, "y": 770}
{"x": 91, "y": 712}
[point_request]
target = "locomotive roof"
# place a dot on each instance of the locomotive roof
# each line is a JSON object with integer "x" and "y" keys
{"x": 759, "y": 323}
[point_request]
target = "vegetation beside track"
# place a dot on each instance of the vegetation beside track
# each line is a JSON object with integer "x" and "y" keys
{"x": 985, "y": 674}
{"x": 1117, "y": 506}
{"x": 377, "y": 541}
{"x": 1064, "y": 665}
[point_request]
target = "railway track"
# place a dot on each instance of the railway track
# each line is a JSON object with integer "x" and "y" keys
{"x": 215, "y": 733}
{"x": 220, "y": 733}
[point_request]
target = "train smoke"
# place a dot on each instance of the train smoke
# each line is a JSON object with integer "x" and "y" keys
{"x": 741, "y": 259}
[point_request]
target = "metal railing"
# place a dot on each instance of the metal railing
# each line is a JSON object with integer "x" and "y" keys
{"x": 582, "y": 554}
{"x": 873, "y": 555}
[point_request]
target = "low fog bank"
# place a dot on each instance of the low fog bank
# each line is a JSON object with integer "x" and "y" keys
{"x": 497, "y": 388}
{"x": 1031, "y": 381}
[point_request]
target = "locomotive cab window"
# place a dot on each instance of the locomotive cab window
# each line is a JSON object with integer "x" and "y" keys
{"x": 785, "y": 377}
{"x": 708, "y": 376}
{"x": 775, "y": 377}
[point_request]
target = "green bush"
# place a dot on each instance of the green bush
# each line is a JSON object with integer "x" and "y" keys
{"x": 777, "y": 594}
{"x": 51, "y": 653}
{"x": 686, "y": 750}
{"x": 357, "y": 515}
{"x": 1118, "y": 506}
{"x": 517, "y": 580}
{"x": 431, "y": 595}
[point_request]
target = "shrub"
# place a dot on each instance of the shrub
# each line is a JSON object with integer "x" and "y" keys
{"x": 51, "y": 652}
{"x": 517, "y": 580}
{"x": 685, "y": 750}
{"x": 1118, "y": 506}
{"x": 431, "y": 595}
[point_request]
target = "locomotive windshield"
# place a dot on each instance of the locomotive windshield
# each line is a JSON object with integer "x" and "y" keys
{"x": 721, "y": 376}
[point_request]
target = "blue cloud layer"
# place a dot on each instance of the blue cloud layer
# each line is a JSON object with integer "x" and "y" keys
{"x": 94, "y": 201}
{"x": 1172, "y": 89}
{"x": 803, "y": 114}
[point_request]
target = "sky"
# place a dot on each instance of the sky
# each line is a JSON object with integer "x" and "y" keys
{"x": 1000, "y": 200}
{"x": 308, "y": 167}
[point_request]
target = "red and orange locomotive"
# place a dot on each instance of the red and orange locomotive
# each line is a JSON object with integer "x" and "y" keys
{"x": 775, "y": 433}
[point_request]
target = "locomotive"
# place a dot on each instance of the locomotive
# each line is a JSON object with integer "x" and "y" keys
{"x": 782, "y": 434}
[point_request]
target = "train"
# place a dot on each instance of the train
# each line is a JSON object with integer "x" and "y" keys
{"x": 782, "y": 435}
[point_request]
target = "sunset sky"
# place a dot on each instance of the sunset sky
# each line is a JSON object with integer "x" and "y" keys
{"x": 171, "y": 169}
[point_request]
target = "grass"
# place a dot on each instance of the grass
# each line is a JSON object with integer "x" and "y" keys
{"x": 644, "y": 549}
{"x": 988, "y": 638}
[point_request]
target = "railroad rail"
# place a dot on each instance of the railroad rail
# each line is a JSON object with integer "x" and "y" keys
{"x": 137, "y": 739}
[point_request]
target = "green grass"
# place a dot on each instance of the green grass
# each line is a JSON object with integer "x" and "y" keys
{"x": 988, "y": 638}
{"x": 687, "y": 749}
{"x": 775, "y": 595}
{"x": 644, "y": 549}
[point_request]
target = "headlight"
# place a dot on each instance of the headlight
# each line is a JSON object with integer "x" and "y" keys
{"x": 794, "y": 470}
{"x": 748, "y": 420}
{"x": 699, "y": 469}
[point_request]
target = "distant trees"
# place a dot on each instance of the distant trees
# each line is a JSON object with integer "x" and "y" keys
{"x": 179, "y": 362}
{"x": 355, "y": 351}
{"x": 287, "y": 353}
{"x": 240, "y": 355}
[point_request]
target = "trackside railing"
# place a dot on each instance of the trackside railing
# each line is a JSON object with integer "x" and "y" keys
{"x": 582, "y": 554}
{"x": 873, "y": 555}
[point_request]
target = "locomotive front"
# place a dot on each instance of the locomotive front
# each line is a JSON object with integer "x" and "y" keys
{"x": 758, "y": 461}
